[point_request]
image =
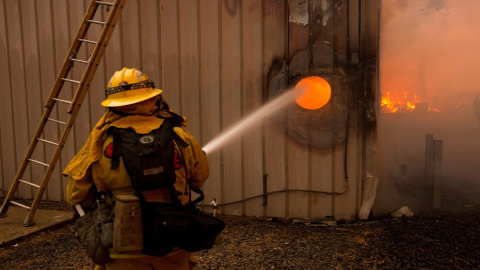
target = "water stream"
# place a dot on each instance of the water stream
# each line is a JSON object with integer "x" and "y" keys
{"x": 256, "y": 117}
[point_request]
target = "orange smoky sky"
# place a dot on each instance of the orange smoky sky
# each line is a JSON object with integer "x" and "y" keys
{"x": 431, "y": 48}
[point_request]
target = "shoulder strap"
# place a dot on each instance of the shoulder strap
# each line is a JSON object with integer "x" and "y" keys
{"x": 166, "y": 131}
{"x": 179, "y": 139}
{"x": 117, "y": 143}
{"x": 168, "y": 135}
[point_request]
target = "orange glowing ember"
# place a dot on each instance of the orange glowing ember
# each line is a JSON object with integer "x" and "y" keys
{"x": 316, "y": 94}
{"x": 396, "y": 103}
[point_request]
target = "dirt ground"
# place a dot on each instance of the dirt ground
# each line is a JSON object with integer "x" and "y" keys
{"x": 438, "y": 240}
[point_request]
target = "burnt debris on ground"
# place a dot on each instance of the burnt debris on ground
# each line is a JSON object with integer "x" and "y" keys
{"x": 437, "y": 240}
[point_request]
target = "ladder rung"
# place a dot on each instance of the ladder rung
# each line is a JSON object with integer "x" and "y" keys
{"x": 96, "y": 22}
{"x": 78, "y": 60}
{"x": 62, "y": 100}
{"x": 56, "y": 121}
{"x": 29, "y": 183}
{"x": 68, "y": 80}
{"x": 104, "y": 3}
{"x": 21, "y": 205}
{"x": 87, "y": 41}
{"x": 38, "y": 162}
{"x": 47, "y": 141}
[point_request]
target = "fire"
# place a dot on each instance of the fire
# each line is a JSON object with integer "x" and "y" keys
{"x": 315, "y": 91}
{"x": 403, "y": 102}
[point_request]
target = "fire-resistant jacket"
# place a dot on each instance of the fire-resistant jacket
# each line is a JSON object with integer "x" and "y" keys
{"x": 92, "y": 164}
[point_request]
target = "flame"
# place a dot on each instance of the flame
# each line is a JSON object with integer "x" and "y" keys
{"x": 315, "y": 92}
{"x": 403, "y": 102}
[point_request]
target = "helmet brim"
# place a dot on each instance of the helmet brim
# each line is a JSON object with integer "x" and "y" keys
{"x": 123, "y": 101}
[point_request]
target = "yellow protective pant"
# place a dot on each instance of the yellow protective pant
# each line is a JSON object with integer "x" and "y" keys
{"x": 177, "y": 260}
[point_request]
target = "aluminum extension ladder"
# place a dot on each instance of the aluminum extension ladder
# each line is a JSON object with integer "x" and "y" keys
{"x": 90, "y": 66}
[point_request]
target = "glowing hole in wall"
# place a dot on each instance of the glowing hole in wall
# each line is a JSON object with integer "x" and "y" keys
{"x": 317, "y": 92}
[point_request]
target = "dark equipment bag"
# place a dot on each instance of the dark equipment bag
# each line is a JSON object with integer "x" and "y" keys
{"x": 167, "y": 226}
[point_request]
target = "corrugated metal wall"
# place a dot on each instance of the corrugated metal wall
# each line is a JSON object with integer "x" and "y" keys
{"x": 217, "y": 61}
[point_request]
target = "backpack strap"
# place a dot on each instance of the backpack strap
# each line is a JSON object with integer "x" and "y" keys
{"x": 116, "y": 146}
{"x": 167, "y": 134}
{"x": 181, "y": 143}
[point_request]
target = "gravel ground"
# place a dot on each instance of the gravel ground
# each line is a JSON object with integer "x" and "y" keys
{"x": 439, "y": 240}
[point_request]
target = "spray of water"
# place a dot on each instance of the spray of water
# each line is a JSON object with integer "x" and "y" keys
{"x": 254, "y": 118}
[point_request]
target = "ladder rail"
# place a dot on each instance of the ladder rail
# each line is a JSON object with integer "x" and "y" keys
{"x": 75, "y": 104}
{"x": 98, "y": 50}
{"x": 74, "y": 48}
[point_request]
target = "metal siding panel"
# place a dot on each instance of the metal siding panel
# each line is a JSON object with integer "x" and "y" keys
{"x": 46, "y": 64}
{"x": 189, "y": 48}
{"x": 62, "y": 42}
{"x": 372, "y": 79}
{"x": 354, "y": 27}
{"x": 3, "y": 188}
{"x": 113, "y": 56}
{"x": 8, "y": 152}
{"x": 354, "y": 171}
{"x": 371, "y": 82}
{"x": 321, "y": 204}
{"x": 131, "y": 35}
{"x": 298, "y": 155}
{"x": 158, "y": 47}
{"x": 66, "y": 21}
{"x": 347, "y": 174}
{"x": 209, "y": 80}
{"x": 252, "y": 70}
{"x": 170, "y": 54}
{"x": 298, "y": 43}
{"x": 149, "y": 40}
{"x": 345, "y": 204}
{"x": 324, "y": 40}
{"x": 371, "y": 14}
{"x": 274, "y": 48}
{"x": 231, "y": 103}
{"x": 342, "y": 33}
{"x": 298, "y": 165}
{"x": 19, "y": 97}
{"x": 34, "y": 100}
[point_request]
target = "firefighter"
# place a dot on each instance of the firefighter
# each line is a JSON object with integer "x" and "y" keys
{"x": 133, "y": 103}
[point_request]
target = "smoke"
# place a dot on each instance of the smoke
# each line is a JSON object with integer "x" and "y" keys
{"x": 430, "y": 48}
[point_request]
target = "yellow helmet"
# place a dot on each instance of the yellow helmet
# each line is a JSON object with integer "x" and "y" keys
{"x": 129, "y": 86}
